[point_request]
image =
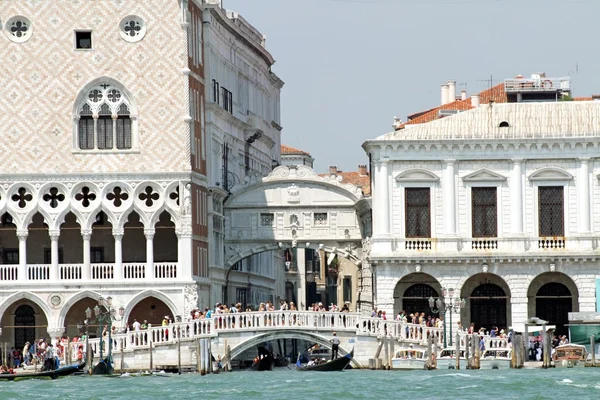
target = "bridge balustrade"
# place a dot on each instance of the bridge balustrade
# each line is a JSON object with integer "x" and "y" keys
{"x": 405, "y": 332}
{"x": 308, "y": 320}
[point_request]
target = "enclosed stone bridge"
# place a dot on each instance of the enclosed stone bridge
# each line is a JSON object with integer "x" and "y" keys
{"x": 229, "y": 335}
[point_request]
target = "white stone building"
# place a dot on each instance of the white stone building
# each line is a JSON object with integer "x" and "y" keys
{"x": 499, "y": 202}
{"x": 243, "y": 128}
{"x": 103, "y": 183}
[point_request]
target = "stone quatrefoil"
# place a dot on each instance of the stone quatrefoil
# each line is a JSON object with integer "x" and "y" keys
{"x": 117, "y": 196}
{"x": 22, "y": 197}
{"x": 149, "y": 196}
{"x": 86, "y": 196}
{"x": 54, "y": 197}
{"x": 175, "y": 195}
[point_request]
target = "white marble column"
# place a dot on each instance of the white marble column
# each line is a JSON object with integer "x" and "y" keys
{"x": 22, "y": 235}
{"x": 583, "y": 196}
{"x": 449, "y": 200}
{"x": 516, "y": 197}
{"x": 381, "y": 218}
{"x": 118, "y": 236}
{"x": 86, "y": 235}
{"x": 54, "y": 235}
{"x": 184, "y": 255}
{"x": 149, "y": 253}
{"x": 301, "y": 265}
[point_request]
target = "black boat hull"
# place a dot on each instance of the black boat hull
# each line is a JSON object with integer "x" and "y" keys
{"x": 264, "y": 364}
{"x": 57, "y": 373}
{"x": 339, "y": 364}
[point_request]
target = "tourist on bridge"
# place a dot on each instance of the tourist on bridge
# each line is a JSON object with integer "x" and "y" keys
{"x": 335, "y": 345}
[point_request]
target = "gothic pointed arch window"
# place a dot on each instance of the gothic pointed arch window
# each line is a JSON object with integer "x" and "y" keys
{"x": 104, "y": 119}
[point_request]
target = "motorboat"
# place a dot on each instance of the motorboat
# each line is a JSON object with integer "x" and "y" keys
{"x": 410, "y": 359}
{"x": 339, "y": 364}
{"x": 447, "y": 358}
{"x": 495, "y": 358}
{"x": 569, "y": 356}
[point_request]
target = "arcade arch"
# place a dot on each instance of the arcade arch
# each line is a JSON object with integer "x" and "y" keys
{"x": 24, "y": 319}
{"x": 151, "y": 306}
{"x": 412, "y": 293}
{"x": 487, "y": 302}
{"x": 551, "y": 297}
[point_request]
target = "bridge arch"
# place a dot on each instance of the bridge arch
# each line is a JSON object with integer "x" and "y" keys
{"x": 288, "y": 334}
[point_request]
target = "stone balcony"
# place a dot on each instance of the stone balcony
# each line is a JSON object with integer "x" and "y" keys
{"x": 96, "y": 272}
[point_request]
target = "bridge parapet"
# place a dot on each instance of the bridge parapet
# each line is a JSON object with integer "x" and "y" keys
{"x": 298, "y": 320}
{"x": 401, "y": 331}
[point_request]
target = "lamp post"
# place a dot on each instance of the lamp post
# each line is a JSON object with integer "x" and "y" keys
{"x": 448, "y": 303}
{"x": 104, "y": 313}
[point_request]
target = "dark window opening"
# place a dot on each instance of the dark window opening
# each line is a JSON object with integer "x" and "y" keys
{"x": 48, "y": 256}
{"x": 417, "y": 213}
{"x": 97, "y": 255}
{"x": 83, "y": 40}
{"x": 504, "y": 124}
{"x": 551, "y": 211}
{"x": 484, "y": 212}
{"x": 347, "y": 289}
{"x": 10, "y": 256}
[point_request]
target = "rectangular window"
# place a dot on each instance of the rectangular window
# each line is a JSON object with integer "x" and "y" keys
{"x": 10, "y": 256}
{"x": 97, "y": 255}
{"x": 484, "y": 209}
{"x": 123, "y": 133}
{"x": 83, "y": 40}
{"x": 86, "y": 133}
{"x": 417, "y": 213}
{"x": 227, "y": 100}
{"x": 105, "y": 133}
{"x": 551, "y": 211}
{"x": 267, "y": 219}
{"x": 320, "y": 219}
{"x": 216, "y": 92}
{"x": 241, "y": 297}
{"x": 347, "y": 288}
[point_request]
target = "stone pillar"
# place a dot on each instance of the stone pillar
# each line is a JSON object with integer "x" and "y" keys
{"x": 22, "y": 235}
{"x": 86, "y": 235}
{"x": 383, "y": 211}
{"x": 54, "y": 235}
{"x": 583, "y": 196}
{"x": 184, "y": 255}
{"x": 449, "y": 200}
{"x": 516, "y": 198}
{"x": 118, "y": 235}
{"x": 301, "y": 265}
{"x": 149, "y": 253}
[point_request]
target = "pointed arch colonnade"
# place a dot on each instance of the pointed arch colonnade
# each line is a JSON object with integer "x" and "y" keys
{"x": 492, "y": 299}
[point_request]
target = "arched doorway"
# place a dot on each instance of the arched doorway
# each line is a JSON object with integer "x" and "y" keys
{"x": 488, "y": 302}
{"x": 150, "y": 309}
{"x": 551, "y": 297}
{"x": 76, "y": 316}
{"x": 413, "y": 291}
{"x": 488, "y": 306}
{"x": 24, "y": 324}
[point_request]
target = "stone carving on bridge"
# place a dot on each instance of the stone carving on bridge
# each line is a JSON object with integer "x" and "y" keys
{"x": 190, "y": 296}
{"x": 293, "y": 194}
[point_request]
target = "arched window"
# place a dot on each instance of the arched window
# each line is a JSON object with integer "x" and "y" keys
{"x": 105, "y": 121}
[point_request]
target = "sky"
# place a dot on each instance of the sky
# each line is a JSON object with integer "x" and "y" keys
{"x": 350, "y": 66}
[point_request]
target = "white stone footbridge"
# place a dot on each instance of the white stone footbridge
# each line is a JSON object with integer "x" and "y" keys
{"x": 230, "y": 335}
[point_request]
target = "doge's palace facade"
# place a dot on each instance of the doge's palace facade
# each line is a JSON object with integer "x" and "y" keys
{"x": 103, "y": 176}
{"x": 498, "y": 203}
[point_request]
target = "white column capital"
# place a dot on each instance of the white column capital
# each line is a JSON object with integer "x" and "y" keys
{"x": 86, "y": 234}
{"x": 450, "y": 161}
{"x": 584, "y": 160}
{"x": 54, "y": 234}
{"x": 119, "y": 233}
{"x": 149, "y": 233}
{"x": 22, "y": 234}
{"x": 517, "y": 160}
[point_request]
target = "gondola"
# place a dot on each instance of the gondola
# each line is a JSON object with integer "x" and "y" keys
{"x": 264, "y": 364}
{"x": 339, "y": 364}
{"x": 104, "y": 367}
{"x": 57, "y": 373}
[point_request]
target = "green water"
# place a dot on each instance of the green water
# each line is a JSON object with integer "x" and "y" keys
{"x": 580, "y": 384}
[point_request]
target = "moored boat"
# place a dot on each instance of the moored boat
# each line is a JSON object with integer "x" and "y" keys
{"x": 569, "y": 356}
{"x": 264, "y": 363}
{"x": 339, "y": 364}
{"x": 53, "y": 374}
{"x": 495, "y": 358}
{"x": 447, "y": 359}
{"x": 410, "y": 359}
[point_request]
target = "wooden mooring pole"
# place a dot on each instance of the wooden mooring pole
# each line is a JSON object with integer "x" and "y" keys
{"x": 151, "y": 360}
{"x": 202, "y": 357}
{"x": 593, "y": 349}
{"x": 179, "y": 356}
{"x": 457, "y": 351}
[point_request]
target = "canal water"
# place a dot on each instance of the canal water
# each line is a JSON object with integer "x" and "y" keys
{"x": 583, "y": 383}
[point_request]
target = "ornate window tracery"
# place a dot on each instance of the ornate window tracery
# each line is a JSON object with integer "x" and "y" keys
{"x": 104, "y": 120}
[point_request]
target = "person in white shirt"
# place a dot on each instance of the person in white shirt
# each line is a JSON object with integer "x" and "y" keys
{"x": 136, "y": 325}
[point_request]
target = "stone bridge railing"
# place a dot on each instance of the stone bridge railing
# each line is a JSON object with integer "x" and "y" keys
{"x": 224, "y": 324}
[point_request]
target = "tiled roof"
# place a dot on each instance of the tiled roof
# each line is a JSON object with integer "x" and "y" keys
{"x": 495, "y": 94}
{"x": 583, "y": 98}
{"x": 290, "y": 150}
{"x": 356, "y": 179}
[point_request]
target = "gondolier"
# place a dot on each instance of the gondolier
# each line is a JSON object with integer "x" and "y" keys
{"x": 335, "y": 346}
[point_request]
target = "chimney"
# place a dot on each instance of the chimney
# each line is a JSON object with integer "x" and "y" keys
{"x": 475, "y": 100}
{"x": 362, "y": 170}
{"x": 333, "y": 170}
{"x": 463, "y": 94}
{"x": 397, "y": 123}
{"x": 451, "y": 91}
{"x": 445, "y": 94}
